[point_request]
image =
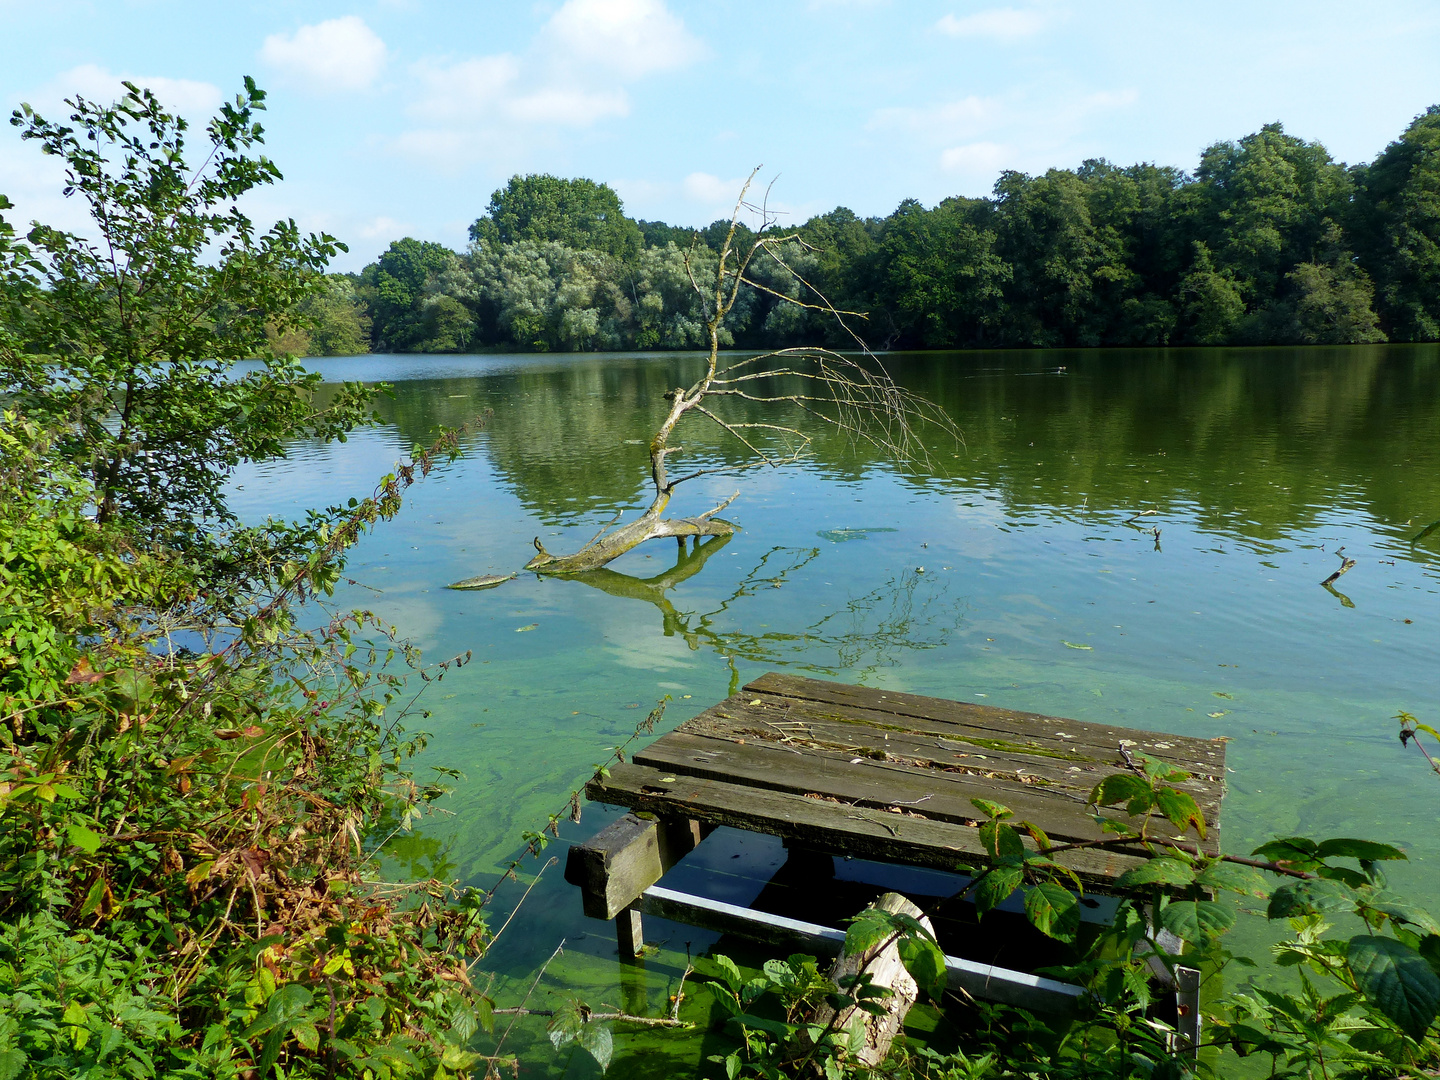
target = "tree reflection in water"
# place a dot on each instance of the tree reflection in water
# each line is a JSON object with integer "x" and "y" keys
{"x": 912, "y": 610}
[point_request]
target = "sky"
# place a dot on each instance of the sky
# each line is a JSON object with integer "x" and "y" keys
{"x": 396, "y": 118}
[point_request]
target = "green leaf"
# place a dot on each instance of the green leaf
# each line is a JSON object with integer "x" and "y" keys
{"x": 777, "y": 1028}
{"x": 307, "y": 1035}
{"x": 596, "y": 1040}
{"x": 1181, "y": 809}
{"x": 1001, "y": 841}
{"x": 1160, "y": 870}
{"x": 1120, "y": 787}
{"x": 485, "y": 1014}
{"x": 1397, "y": 981}
{"x": 85, "y": 839}
{"x": 1296, "y": 851}
{"x": 1430, "y": 950}
{"x": 1309, "y": 898}
{"x": 867, "y": 930}
{"x": 455, "y": 1057}
{"x": 1233, "y": 877}
{"x": 1194, "y": 920}
{"x": 93, "y": 897}
{"x": 1401, "y": 910}
{"x": 991, "y": 809}
{"x": 731, "y": 973}
{"x": 271, "y": 1052}
{"x": 1364, "y": 850}
{"x": 1054, "y": 910}
{"x": 995, "y": 888}
{"x": 925, "y": 962}
{"x": 12, "y": 1064}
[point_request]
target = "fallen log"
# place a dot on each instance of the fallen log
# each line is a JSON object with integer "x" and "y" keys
{"x": 648, "y": 526}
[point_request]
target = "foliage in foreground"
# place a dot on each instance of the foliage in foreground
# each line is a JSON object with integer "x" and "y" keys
{"x": 190, "y": 804}
{"x": 126, "y": 341}
{"x": 1359, "y": 996}
{"x": 196, "y": 779}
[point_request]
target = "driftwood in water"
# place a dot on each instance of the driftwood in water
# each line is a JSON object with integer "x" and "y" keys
{"x": 859, "y": 399}
{"x": 484, "y": 581}
{"x": 871, "y": 1036}
{"x": 609, "y": 546}
{"x": 1346, "y": 564}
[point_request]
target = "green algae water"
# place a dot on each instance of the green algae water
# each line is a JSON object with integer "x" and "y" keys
{"x": 1127, "y": 537}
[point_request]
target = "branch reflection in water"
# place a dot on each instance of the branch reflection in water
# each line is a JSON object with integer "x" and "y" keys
{"x": 912, "y": 610}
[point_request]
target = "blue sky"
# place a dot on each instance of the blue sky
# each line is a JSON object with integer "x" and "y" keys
{"x": 399, "y": 117}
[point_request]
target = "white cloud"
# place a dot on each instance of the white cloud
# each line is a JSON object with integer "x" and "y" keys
{"x": 574, "y": 75}
{"x": 471, "y": 89}
{"x": 335, "y": 55}
{"x": 980, "y": 157}
{"x": 705, "y": 188}
{"x": 184, "y": 96}
{"x": 631, "y": 38}
{"x": 946, "y": 121}
{"x": 382, "y": 228}
{"x": 1004, "y": 24}
{"x": 564, "y": 106}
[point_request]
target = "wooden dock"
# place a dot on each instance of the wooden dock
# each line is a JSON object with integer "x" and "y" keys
{"x": 867, "y": 773}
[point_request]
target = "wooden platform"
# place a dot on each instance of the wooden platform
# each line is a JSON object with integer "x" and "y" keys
{"x": 884, "y": 775}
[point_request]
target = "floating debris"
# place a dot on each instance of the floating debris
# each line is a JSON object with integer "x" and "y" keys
{"x": 1345, "y": 566}
{"x": 484, "y": 581}
{"x": 839, "y": 536}
{"x": 1072, "y": 645}
{"x": 522, "y": 629}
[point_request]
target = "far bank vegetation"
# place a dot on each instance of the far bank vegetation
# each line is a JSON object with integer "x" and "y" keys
{"x": 1268, "y": 241}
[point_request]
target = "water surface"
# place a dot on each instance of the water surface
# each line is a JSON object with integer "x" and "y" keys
{"x": 1125, "y": 537}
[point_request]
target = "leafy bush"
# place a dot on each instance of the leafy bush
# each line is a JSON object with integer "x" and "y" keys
{"x": 190, "y": 801}
{"x": 1362, "y": 1001}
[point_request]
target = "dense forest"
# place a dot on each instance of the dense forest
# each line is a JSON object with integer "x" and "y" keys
{"x": 1269, "y": 241}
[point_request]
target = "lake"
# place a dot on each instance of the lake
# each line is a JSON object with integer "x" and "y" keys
{"x": 1023, "y": 569}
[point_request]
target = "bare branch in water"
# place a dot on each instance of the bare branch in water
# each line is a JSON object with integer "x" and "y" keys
{"x": 856, "y": 397}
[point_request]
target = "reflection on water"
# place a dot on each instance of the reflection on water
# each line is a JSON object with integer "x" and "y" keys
{"x": 870, "y": 631}
{"x": 1133, "y": 537}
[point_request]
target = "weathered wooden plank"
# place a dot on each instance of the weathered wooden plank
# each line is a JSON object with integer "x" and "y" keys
{"x": 980, "y": 980}
{"x": 930, "y": 793}
{"x": 1185, "y": 751}
{"x": 854, "y": 775}
{"x": 828, "y": 826}
{"x": 808, "y": 725}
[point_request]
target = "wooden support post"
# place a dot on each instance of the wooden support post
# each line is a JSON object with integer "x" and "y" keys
{"x": 612, "y": 869}
{"x": 678, "y": 837}
{"x": 630, "y": 933}
{"x": 1187, "y": 1009}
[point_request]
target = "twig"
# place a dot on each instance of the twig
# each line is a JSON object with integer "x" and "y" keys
{"x": 680, "y": 990}
{"x": 494, "y": 937}
{"x": 538, "y": 976}
{"x": 627, "y": 1018}
{"x": 1345, "y": 566}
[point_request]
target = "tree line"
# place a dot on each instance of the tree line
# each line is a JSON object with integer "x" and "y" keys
{"x": 1269, "y": 241}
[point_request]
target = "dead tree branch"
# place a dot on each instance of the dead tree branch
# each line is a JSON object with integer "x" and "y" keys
{"x": 853, "y": 395}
